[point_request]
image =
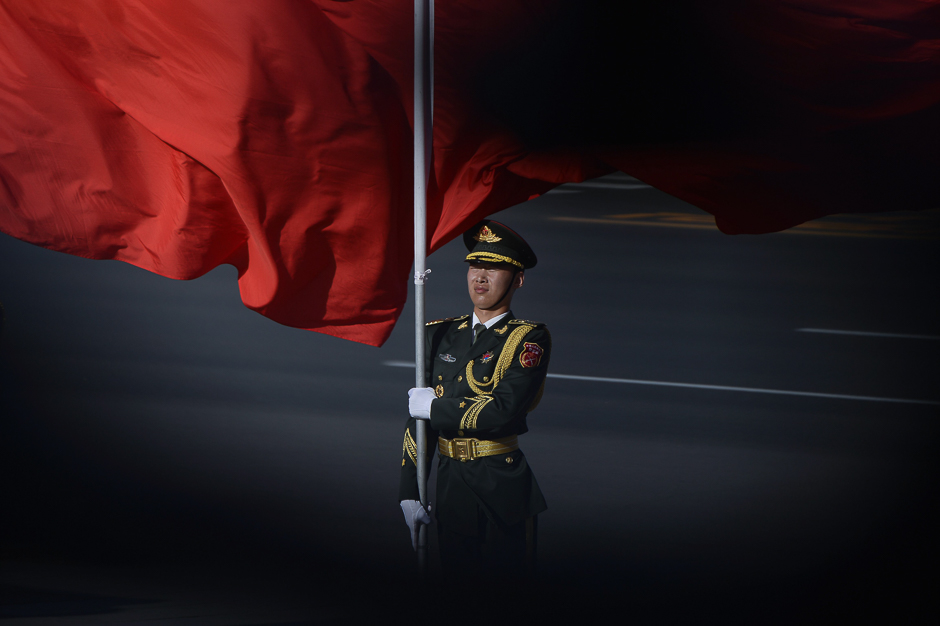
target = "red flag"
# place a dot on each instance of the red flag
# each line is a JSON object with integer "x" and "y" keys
{"x": 839, "y": 111}
{"x": 177, "y": 135}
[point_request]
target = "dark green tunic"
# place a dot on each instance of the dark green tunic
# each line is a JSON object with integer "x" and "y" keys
{"x": 484, "y": 391}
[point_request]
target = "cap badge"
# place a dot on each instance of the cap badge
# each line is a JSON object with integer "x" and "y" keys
{"x": 487, "y": 357}
{"x": 487, "y": 235}
{"x": 446, "y": 358}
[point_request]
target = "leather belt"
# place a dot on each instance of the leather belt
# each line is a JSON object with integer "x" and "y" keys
{"x": 469, "y": 449}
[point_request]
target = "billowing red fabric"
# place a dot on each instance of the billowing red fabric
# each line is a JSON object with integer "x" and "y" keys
{"x": 178, "y": 135}
{"x": 849, "y": 100}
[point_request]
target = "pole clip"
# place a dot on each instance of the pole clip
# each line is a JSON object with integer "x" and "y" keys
{"x": 421, "y": 277}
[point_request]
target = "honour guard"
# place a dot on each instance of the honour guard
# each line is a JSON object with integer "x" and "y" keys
{"x": 486, "y": 372}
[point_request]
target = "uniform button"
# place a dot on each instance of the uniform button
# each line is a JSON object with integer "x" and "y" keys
{"x": 459, "y": 378}
{"x": 486, "y": 378}
{"x": 460, "y": 433}
{"x": 509, "y": 459}
{"x": 440, "y": 378}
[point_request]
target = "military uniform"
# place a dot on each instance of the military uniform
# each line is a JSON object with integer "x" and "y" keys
{"x": 485, "y": 381}
{"x": 485, "y": 391}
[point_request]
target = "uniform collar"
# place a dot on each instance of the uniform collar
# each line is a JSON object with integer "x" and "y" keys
{"x": 489, "y": 324}
{"x": 489, "y": 341}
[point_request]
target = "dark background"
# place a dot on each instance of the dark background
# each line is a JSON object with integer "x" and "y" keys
{"x": 170, "y": 455}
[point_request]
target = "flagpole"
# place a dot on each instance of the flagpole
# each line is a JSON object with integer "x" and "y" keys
{"x": 422, "y": 141}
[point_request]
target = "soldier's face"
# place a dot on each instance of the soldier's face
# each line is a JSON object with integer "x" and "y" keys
{"x": 491, "y": 285}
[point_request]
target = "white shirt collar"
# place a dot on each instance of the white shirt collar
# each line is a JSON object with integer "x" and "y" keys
{"x": 490, "y": 323}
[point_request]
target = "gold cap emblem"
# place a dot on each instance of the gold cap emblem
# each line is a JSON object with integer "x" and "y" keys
{"x": 487, "y": 235}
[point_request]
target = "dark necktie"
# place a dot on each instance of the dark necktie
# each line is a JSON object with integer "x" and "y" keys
{"x": 479, "y": 328}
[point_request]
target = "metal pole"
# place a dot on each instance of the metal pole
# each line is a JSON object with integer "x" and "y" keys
{"x": 421, "y": 168}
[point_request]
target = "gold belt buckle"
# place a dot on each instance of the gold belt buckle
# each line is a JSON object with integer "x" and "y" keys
{"x": 463, "y": 449}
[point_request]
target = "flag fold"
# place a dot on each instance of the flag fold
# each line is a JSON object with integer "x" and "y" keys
{"x": 178, "y": 135}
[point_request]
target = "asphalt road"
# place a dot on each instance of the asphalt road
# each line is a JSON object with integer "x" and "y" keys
{"x": 172, "y": 457}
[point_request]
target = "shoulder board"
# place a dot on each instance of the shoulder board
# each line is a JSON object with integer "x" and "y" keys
{"x": 529, "y": 322}
{"x": 448, "y": 319}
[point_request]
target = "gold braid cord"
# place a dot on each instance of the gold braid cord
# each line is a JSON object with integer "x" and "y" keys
{"x": 489, "y": 256}
{"x": 506, "y": 356}
{"x": 476, "y": 385}
{"x": 509, "y": 352}
{"x": 469, "y": 419}
{"x": 505, "y": 360}
{"x": 410, "y": 448}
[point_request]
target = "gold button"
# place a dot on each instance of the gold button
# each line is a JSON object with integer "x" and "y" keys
{"x": 486, "y": 378}
{"x": 440, "y": 378}
{"x": 509, "y": 459}
{"x": 459, "y": 378}
{"x": 460, "y": 433}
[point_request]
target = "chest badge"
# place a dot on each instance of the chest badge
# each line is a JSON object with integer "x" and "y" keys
{"x": 531, "y": 355}
{"x": 487, "y": 357}
{"x": 446, "y": 358}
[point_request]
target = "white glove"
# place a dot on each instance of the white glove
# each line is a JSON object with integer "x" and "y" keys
{"x": 414, "y": 516}
{"x": 419, "y": 402}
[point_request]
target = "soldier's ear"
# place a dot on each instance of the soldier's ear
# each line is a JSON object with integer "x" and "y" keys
{"x": 520, "y": 278}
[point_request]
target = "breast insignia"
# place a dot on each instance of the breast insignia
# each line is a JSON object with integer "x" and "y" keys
{"x": 487, "y": 357}
{"x": 447, "y": 358}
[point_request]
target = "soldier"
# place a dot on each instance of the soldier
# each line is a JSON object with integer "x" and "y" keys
{"x": 486, "y": 372}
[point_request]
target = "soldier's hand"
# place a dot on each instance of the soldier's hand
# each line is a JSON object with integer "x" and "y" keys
{"x": 419, "y": 402}
{"x": 415, "y": 515}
